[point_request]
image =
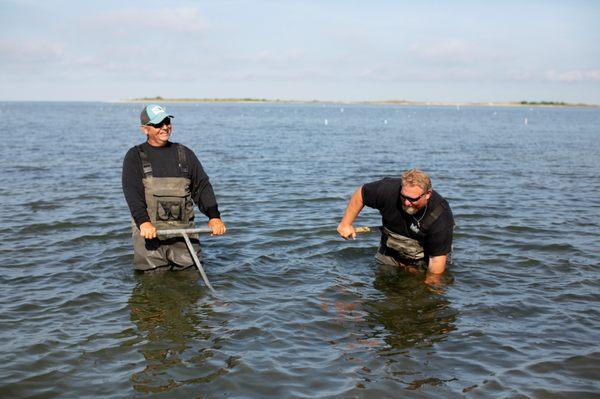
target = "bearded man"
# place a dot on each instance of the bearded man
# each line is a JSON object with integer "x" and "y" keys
{"x": 417, "y": 221}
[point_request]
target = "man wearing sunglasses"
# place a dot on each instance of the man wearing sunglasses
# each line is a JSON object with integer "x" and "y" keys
{"x": 162, "y": 181}
{"x": 417, "y": 221}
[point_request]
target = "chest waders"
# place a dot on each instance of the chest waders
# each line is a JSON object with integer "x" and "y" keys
{"x": 170, "y": 206}
{"x": 396, "y": 249}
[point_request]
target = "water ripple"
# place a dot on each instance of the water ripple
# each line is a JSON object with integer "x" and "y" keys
{"x": 299, "y": 312}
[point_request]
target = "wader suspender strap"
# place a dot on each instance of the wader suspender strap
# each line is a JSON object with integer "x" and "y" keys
{"x": 146, "y": 166}
{"x": 182, "y": 160}
{"x": 430, "y": 219}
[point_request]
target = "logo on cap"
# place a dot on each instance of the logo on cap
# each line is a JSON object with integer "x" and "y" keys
{"x": 157, "y": 109}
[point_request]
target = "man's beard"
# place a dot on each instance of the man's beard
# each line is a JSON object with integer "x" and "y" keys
{"x": 411, "y": 210}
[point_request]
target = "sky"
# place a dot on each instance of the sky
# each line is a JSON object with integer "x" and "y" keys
{"x": 331, "y": 50}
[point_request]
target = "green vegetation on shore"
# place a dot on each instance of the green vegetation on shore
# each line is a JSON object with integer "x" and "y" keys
{"x": 553, "y": 104}
{"x": 560, "y": 103}
{"x": 388, "y": 102}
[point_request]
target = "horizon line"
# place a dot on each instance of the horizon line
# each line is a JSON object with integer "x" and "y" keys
{"x": 542, "y": 103}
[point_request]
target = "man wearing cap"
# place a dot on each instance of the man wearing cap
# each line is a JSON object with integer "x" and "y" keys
{"x": 161, "y": 181}
{"x": 417, "y": 221}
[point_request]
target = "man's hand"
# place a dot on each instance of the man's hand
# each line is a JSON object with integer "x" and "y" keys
{"x": 217, "y": 226}
{"x": 346, "y": 231}
{"x": 147, "y": 230}
{"x": 355, "y": 205}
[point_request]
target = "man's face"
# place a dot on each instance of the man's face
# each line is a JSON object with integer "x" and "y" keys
{"x": 159, "y": 133}
{"x": 413, "y": 198}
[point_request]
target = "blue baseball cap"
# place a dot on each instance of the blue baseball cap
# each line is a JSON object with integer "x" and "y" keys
{"x": 153, "y": 113}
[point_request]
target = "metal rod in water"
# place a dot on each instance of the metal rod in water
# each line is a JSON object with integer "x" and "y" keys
{"x": 196, "y": 260}
{"x": 184, "y": 233}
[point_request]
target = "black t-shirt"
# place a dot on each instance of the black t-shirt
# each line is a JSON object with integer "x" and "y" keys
{"x": 165, "y": 163}
{"x": 384, "y": 195}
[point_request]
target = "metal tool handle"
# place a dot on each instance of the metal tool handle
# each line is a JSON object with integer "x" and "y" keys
{"x": 184, "y": 233}
{"x": 196, "y": 260}
{"x": 177, "y": 232}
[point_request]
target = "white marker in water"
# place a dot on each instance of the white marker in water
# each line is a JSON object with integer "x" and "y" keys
{"x": 525, "y": 121}
{"x": 326, "y": 123}
{"x": 342, "y": 110}
{"x": 385, "y": 122}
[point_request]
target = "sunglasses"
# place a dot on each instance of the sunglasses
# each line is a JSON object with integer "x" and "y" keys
{"x": 166, "y": 121}
{"x": 412, "y": 200}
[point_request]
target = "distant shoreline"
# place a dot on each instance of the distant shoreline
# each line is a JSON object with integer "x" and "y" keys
{"x": 377, "y": 102}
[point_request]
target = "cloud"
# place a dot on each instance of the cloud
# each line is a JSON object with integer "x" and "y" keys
{"x": 299, "y": 75}
{"x": 268, "y": 58}
{"x": 179, "y": 20}
{"x": 446, "y": 51}
{"x": 403, "y": 73}
{"x": 30, "y": 52}
{"x": 574, "y": 76}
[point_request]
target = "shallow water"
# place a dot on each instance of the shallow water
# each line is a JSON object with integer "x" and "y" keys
{"x": 300, "y": 313}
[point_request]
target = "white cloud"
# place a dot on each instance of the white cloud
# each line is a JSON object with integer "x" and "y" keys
{"x": 273, "y": 58}
{"x": 30, "y": 52}
{"x": 573, "y": 76}
{"x": 298, "y": 75}
{"x": 446, "y": 50}
{"x": 180, "y": 20}
{"x": 403, "y": 73}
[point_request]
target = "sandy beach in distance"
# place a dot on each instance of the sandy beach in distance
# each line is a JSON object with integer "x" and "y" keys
{"x": 374, "y": 102}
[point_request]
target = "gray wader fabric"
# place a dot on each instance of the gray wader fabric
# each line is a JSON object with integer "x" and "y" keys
{"x": 398, "y": 250}
{"x": 173, "y": 252}
{"x": 170, "y": 206}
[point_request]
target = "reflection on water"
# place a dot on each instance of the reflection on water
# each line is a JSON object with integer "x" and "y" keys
{"x": 413, "y": 313}
{"x": 302, "y": 313}
{"x": 415, "y": 317}
{"x": 167, "y": 309}
{"x": 393, "y": 325}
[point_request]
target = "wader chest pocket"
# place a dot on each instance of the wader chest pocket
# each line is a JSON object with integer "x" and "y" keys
{"x": 170, "y": 208}
{"x": 407, "y": 247}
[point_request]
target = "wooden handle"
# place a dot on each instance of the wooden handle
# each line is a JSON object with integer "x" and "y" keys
{"x": 365, "y": 229}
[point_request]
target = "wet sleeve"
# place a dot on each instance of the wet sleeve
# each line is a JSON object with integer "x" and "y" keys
{"x": 133, "y": 187}
{"x": 202, "y": 191}
{"x": 439, "y": 239}
{"x": 370, "y": 194}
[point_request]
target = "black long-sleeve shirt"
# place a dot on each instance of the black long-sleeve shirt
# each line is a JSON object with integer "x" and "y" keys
{"x": 165, "y": 163}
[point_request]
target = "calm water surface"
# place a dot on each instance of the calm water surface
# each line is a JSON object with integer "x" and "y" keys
{"x": 299, "y": 312}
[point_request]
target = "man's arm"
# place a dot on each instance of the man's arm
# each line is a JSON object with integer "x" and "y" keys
{"x": 437, "y": 264}
{"x": 204, "y": 196}
{"x": 202, "y": 191}
{"x": 438, "y": 243}
{"x": 133, "y": 187}
{"x": 355, "y": 205}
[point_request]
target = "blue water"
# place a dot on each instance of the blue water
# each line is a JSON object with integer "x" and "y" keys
{"x": 299, "y": 312}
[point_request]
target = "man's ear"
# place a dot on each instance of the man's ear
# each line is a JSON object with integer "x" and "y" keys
{"x": 144, "y": 129}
